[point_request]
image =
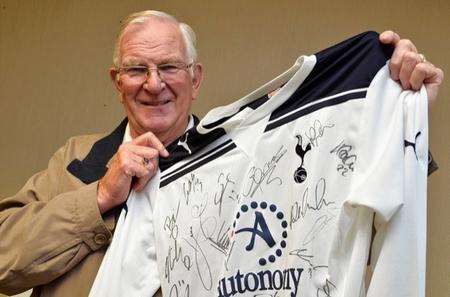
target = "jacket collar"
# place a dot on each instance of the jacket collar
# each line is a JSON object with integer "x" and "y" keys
{"x": 93, "y": 166}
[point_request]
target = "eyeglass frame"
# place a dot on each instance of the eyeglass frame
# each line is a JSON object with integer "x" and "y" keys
{"x": 178, "y": 65}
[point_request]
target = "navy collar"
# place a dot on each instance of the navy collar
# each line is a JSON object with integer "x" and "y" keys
{"x": 93, "y": 166}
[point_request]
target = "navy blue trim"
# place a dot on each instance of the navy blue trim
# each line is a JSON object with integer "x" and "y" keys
{"x": 315, "y": 107}
{"x": 197, "y": 141}
{"x": 186, "y": 170}
{"x": 194, "y": 140}
{"x": 93, "y": 166}
{"x": 198, "y": 158}
{"x": 351, "y": 64}
{"x": 253, "y": 105}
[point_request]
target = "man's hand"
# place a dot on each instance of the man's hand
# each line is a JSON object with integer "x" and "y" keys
{"x": 409, "y": 67}
{"x": 134, "y": 164}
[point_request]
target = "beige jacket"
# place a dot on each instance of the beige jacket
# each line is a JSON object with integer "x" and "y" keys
{"x": 52, "y": 235}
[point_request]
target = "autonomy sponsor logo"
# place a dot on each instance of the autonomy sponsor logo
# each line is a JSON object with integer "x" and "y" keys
{"x": 263, "y": 236}
{"x": 263, "y": 280}
{"x": 261, "y": 229}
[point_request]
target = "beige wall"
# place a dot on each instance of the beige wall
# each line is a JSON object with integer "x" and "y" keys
{"x": 54, "y": 57}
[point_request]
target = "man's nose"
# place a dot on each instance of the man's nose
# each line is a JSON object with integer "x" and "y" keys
{"x": 153, "y": 84}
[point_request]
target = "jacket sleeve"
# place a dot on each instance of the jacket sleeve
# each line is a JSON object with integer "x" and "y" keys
{"x": 48, "y": 227}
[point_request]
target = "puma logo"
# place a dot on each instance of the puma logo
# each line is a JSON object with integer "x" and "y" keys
{"x": 412, "y": 144}
{"x": 184, "y": 144}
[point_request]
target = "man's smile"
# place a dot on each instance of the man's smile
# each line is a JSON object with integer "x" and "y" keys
{"x": 153, "y": 103}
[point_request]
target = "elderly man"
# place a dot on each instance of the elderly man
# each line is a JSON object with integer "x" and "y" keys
{"x": 54, "y": 232}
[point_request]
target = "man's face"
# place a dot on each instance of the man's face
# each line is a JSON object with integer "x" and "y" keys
{"x": 161, "y": 107}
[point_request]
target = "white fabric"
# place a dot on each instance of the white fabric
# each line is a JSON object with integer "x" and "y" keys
{"x": 127, "y": 135}
{"x": 214, "y": 223}
{"x": 329, "y": 216}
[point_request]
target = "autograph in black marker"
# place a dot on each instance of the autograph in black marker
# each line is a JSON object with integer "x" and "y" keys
{"x": 225, "y": 182}
{"x": 317, "y": 202}
{"x": 191, "y": 186}
{"x": 175, "y": 252}
{"x": 316, "y": 131}
{"x": 201, "y": 261}
{"x": 347, "y": 157}
{"x": 258, "y": 175}
{"x": 178, "y": 287}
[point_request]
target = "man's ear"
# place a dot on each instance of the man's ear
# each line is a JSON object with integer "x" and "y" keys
{"x": 114, "y": 75}
{"x": 197, "y": 79}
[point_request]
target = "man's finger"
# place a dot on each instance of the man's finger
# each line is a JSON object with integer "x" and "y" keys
{"x": 143, "y": 151}
{"x": 426, "y": 73}
{"x": 389, "y": 37}
{"x": 138, "y": 168}
{"x": 410, "y": 60}
{"x": 145, "y": 169}
{"x": 150, "y": 140}
{"x": 402, "y": 47}
{"x": 419, "y": 75}
{"x": 142, "y": 181}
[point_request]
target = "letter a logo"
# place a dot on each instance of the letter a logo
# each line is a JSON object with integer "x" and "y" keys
{"x": 259, "y": 228}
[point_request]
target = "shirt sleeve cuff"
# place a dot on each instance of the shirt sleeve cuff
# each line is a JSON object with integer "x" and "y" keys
{"x": 432, "y": 165}
{"x": 95, "y": 230}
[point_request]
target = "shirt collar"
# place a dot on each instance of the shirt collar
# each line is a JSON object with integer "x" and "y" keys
{"x": 127, "y": 135}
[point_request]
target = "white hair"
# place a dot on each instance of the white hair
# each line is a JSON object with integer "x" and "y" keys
{"x": 140, "y": 17}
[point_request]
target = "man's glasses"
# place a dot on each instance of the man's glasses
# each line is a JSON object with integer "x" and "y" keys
{"x": 140, "y": 74}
